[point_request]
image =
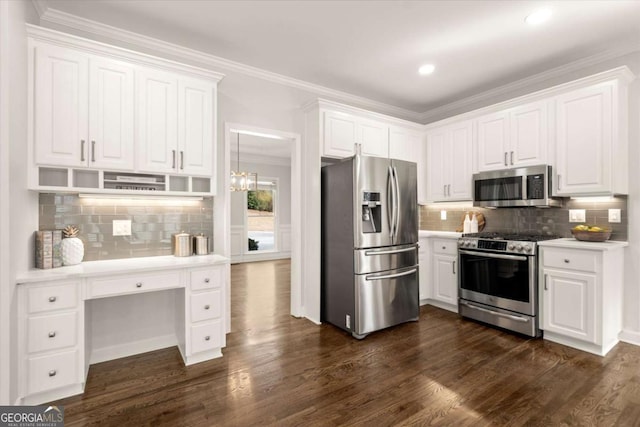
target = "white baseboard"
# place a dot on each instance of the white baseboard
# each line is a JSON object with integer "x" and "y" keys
{"x": 129, "y": 349}
{"x": 630, "y": 337}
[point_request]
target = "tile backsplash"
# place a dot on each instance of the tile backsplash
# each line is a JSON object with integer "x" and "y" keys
{"x": 152, "y": 223}
{"x": 530, "y": 220}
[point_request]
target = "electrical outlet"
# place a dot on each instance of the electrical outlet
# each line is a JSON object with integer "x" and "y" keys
{"x": 577, "y": 215}
{"x": 122, "y": 227}
{"x": 443, "y": 215}
{"x": 614, "y": 215}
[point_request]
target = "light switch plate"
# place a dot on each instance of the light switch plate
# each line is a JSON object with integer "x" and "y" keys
{"x": 577, "y": 215}
{"x": 443, "y": 215}
{"x": 614, "y": 215}
{"x": 122, "y": 227}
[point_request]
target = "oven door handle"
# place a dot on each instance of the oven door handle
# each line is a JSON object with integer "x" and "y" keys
{"x": 492, "y": 255}
{"x": 496, "y": 313}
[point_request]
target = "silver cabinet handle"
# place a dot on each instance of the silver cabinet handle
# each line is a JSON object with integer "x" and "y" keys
{"x": 52, "y": 299}
{"x": 139, "y": 285}
{"x": 52, "y": 334}
{"x": 454, "y": 267}
{"x": 173, "y": 156}
{"x": 206, "y": 307}
{"x": 546, "y": 285}
{"x": 93, "y": 151}
{"x": 181, "y": 159}
{"x": 82, "y": 150}
{"x": 505, "y": 159}
{"x": 207, "y": 338}
{"x": 449, "y": 190}
{"x": 559, "y": 177}
{"x": 444, "y": 190}
{"x": 52, "y": 373}
{"x": 512, "y": 158}
{"x": 206, "y": 280}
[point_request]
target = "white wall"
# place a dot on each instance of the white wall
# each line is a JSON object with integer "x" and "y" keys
{"x": 19, "y": 207}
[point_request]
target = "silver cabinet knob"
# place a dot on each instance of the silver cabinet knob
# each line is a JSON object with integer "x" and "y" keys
{"x": 52, "y": 373}
{"x": 52, "y": 299}
{"x": 139, "y": 285}
{"x": 52, "y": 334}
{"x": 566, "y": 261}
{"x": 206, "y": 307}
{"x": 207, "y": 338}
{"x": 206, "y": 280}
{"x": 444, "y": 247}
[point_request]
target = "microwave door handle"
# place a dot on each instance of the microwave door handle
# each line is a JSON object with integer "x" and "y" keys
{"x": 525, "y": 195}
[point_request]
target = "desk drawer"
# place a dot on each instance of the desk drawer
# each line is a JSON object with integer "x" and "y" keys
{"x": 445, "y": 246}
{"x": 52, "y": 297}
{"x": 207, "y": 278}
{"x": 206, "y": 305}
{"x": 131, "y": 284}
{"x": 50, "y": 372}
{"x": 586, "y": 261}
{"x": 52, "y": 332}
{"x": 206, "y": 336}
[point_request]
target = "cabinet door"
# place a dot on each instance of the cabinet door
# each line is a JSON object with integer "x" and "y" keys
{"x": 583, "y": 141}
{"x": 195, "y": 127}
{"x": 404, "y": 144}
{"x": 458, "y": 161}
{"x": 61, "y": 106}
{"x": 157, "y": 121}
{"x": 423, "y": 260}
{"x": 374, "y": 137}
{"x": 493, "y": 141}
{"x": 339, "y": 134}
{"x": 437, "y": 175}
{"x": 444, "y": 279}
{"x": 569, "y": 305}
{"x": 529, "y": 135}
{"x": 111, "y": 107}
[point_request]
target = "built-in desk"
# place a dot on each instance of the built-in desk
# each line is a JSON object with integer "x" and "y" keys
{"x": 71, "y": 317}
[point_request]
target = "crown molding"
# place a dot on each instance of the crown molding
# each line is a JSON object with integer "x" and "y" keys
{"x": 58, "y": 17}
{"x": 451, "y": 107}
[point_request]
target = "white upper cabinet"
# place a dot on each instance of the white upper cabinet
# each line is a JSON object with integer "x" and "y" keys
{"x": 407, "y": 144}
{"x": 195, "y": 126}
{"x": 342, "y": 131}
{"x": 591, "y": 141}
{"x": 373, "y": 137}
{"x": 449, "y": 164}
{"x": 514, "y": 137}
{"x": 61, "y": 97}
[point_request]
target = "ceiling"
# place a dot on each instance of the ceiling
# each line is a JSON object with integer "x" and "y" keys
{"x": 372, "y": 49}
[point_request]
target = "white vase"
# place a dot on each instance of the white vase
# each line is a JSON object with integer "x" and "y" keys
{"x": 72, "y": 250}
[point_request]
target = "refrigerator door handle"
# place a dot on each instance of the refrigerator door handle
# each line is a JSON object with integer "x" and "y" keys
{"x": 390, "y": 252}
{"x": 391, "y": 276}
{"x": 396, "y": 202}
{"x": 391, "y": 200}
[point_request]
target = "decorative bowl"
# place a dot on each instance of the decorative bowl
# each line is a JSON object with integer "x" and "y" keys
{"x": 591, "y": 236}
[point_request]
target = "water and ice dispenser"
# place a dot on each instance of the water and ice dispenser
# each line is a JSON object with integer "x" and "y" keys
{"x": 371, "y": 212}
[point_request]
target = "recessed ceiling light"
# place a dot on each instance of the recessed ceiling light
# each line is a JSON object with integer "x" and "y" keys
{"x": 426, "y": 69}
{"x": 538, "y": 17}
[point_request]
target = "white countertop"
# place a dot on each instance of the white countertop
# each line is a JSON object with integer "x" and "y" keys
{"x": 434, "y": 233}
{"x": 118, "y": 266}
{"x": 572, "y": 243}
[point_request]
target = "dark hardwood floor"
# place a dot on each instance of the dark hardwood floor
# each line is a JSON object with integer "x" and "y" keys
{"x": 442, "y": 370}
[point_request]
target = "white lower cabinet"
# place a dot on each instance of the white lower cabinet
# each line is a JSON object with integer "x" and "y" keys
{"x": 581, "y": 293}
{"x": 53, "y": 354}
{"x": 439, "y": 271}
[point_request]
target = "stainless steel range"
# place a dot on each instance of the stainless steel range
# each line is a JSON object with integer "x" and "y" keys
{"x": 498, "y": 280}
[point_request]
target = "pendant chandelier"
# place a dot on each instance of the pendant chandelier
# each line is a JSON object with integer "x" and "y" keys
{"x": 240, "y": 180}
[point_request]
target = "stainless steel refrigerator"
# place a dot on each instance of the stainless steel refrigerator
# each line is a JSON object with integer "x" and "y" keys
{"x": 369, "y": 244}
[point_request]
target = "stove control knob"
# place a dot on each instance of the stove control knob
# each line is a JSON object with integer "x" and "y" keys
{"x": 511, "y": 247}
{"x": 460, "y": 243}
{"x": 527, "y": 248}
{"x": 519, "y": 248}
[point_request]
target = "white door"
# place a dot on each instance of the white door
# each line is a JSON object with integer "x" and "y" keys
{"x": 493, "y": 141}
{"x": 157, "y": 121}
{"x": 529, "y": 135}
{"x": 339, "y": 134}
{"x": 583, "y": 141}
{"x": 111, "y": 110}
{"x": 458, "y": 161}
{"x": 61, "y": 106}
{"x": 374, "y": 137}
{"x": 569, "y": 305}
{"x": 445, "y": 287}
{"x": 437, "y": 175}
{"x": 195, "y": 127}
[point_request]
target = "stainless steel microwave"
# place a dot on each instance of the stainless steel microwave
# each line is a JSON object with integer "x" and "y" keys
{"x": 517, "y": 187}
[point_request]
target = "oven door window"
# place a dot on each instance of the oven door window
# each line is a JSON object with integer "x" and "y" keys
{"x": 504, "y": 278}
{"x": 508, "y": 188}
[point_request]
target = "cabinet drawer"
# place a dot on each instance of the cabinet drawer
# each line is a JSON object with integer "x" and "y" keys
{"x": 207, "y": 336}
{"x": 207, "y": 279}
{"x": 98, "y": 288}
{"x": 445, "y": 246}
{"x": 570, "y": 259}
{"x": 206, "y": 305}
{"x": 52, "y": 332}
{"x": 49, "y": 372}
{"x": 54, "y": 297}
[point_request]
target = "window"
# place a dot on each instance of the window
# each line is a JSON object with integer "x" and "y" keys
{"x": 261, "y": 217}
